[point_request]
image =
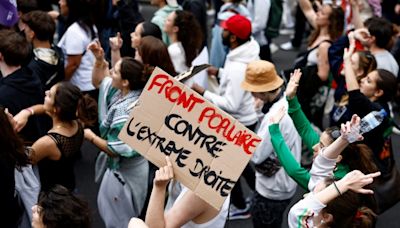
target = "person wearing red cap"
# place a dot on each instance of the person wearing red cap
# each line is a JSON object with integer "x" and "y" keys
{"x": 231, "y": 97}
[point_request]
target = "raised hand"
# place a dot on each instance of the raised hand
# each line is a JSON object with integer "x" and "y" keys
{"x": 293, "y": 83}
{"x": 356, "y": 180}
{"x": 276, "y": 118}
{"x": 348, "y": 52}
{"x": 164, "y": 174}
{"x": 96, "y": 49}
{"x": 350, "y": 131}
{"x": 116, "y": 42}
{"x": 362, "y": 34}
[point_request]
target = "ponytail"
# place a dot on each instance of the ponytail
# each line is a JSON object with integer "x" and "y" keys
{"x": 71, "y": 104}
{"x": 359, "y": 157}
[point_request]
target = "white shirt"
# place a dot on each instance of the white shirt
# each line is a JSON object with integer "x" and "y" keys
{"x": 74, "y": 42}
{"x": 279, "y": 186}
{"x": 177, "y": 54}
{"x": 231, "y": 97}
{"x": 259, "y": 11}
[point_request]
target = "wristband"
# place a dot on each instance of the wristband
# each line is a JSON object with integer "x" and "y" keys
{"x": 31, "y": 111}
{"x": 337, "y": 189}
{"x": 99, "y": 64}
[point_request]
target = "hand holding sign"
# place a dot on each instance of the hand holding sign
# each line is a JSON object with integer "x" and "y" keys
{"x": 164, "y": 174}
{"x": 208, "y": 148}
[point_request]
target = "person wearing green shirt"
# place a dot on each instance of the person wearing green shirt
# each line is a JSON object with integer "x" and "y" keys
{"x": 357, "y": 156}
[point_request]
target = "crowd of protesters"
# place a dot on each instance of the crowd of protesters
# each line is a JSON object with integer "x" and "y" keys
{"x": 73, "y": 70}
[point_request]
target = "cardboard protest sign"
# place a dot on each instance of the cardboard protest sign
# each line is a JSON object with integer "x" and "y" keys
{"x": 208, "y": 148}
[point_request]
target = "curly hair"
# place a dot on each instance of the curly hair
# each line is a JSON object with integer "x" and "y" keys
{"x": 189, "y": 34}
{"x": 335, "y": 27}
{"x": 61, "y": 209}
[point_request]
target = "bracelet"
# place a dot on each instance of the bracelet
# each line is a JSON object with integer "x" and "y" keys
{"x": 99, "y": 64}
{"x": 337, "y": 189}
{"x": 30, "y": 110}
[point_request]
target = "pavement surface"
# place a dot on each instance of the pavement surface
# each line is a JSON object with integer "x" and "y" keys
{"x": 283, "y": 60}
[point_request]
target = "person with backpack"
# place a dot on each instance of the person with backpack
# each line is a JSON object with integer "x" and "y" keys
{"x": 48, "y": 59}
{"x": 328, "y": 24}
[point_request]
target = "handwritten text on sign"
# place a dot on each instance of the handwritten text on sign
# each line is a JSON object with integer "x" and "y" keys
{"x": 209, "y": 147}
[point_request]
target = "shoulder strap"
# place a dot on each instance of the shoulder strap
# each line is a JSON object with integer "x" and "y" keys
{"x": 319, "y": 44}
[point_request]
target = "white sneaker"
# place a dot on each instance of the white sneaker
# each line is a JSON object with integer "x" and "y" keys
{"x": 286, "y": 31}
{"x": 273, "y": 48}
{"x": 288, "y": 46}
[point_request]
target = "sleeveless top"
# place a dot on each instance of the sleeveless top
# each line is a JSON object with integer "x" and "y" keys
{"x": 217, "y": 222}
{"x": 312, "y": 58}
{"x": 61, "y": 172}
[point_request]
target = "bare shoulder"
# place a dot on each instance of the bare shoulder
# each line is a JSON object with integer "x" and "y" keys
{"x": 45, "y": 147}
{"x": 324, "y": 45}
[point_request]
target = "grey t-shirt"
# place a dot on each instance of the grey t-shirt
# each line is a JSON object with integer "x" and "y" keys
{"x": 386, "y": 61}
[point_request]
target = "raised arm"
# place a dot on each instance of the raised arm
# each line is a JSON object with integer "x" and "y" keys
{"x": 323, "y": 61}
{"x": 351, "y": 79}
{"x": 309, "y": 12}
{"x": 303, "y": 212}
{"x": 155, "y": 211}
{"x": 100, "y": 68}
{"x": 302, "y": 124}
{"x": 115, "y": 45}
{"x": 288, "y": 162}
{"x": 349, "y": 134}
{"x": 325, "y": 162}
{"x": 184, "y": 210}
{"x": 355, "y": 9}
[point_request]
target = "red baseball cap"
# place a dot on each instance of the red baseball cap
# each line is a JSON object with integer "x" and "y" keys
{"x": 238, "y": 25}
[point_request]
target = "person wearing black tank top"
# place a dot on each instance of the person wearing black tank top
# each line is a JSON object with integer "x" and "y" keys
{"x": 56, "y": 152}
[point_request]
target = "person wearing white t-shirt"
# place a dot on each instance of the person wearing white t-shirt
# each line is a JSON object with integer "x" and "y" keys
{"x": 78, "y": 62}
{"x": 186, "y": 38}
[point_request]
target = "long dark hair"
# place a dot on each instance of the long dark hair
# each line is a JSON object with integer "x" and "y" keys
{"x": 154, "y": 53}
{"x": 82, "y": 12}
{"x": 135, "y": 72}
{"x": 189, "y": 34}
{"x": 387, "y": 83}
{"x": 335, "y": 28}
{"x": 151, "y": 29}
{"x": 12, "y": 146}
{"x": 61, "y": 209}
{"x": 70, "y": 104}
{"x": 356, "y": 156}
{"x": 351, "y": 210}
